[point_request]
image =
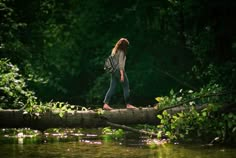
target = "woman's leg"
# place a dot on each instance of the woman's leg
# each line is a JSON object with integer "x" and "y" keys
{"x": 111, "y": 89}
{"x": 126, "y": 91}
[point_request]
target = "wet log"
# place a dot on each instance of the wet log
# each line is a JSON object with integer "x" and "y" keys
{"x": 76, "y": 119}
{"x": 84, "y": 119}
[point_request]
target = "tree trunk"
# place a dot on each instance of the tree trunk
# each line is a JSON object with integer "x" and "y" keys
{"x": 88, "y": 119}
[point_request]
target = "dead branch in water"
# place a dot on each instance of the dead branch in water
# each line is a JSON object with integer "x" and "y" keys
{"x": 152, "y": 134}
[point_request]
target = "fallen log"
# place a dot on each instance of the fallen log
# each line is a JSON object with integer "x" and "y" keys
{"x": 84, "y": 119}
{"x": 75, "y": 119}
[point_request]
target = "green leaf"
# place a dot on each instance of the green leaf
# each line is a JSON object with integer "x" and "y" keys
{"x": 164, "y": 113}
{"x": 25, "y": 112}
{"x": 179, "y": 98}
{"x": 168, "y": 133}
{"x": 163, "y": 121}
{"x": 191, "y": 103}
{"x": 190, "y": 91}
{"x": 231, "y": 115}
{"x": 175, "y": 117}
{"x": 159, "y": 116}
{"x": 204, "y": 114}
{"x": 234, "y": 129}
{"x": 159, "y": 134}
{"x": 230, "y": 124}
{"x": 181, "y": 136}
{"x": 61, "y": 114}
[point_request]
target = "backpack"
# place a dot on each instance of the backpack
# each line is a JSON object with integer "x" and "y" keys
{"x": 110, "y": 65}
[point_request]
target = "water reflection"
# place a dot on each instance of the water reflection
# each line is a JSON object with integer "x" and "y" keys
{"x": 109, "y": 150}
{"x": 90, "y": 143}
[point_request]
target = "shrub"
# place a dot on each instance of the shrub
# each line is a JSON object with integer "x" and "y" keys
{"x": 13, "y": 88}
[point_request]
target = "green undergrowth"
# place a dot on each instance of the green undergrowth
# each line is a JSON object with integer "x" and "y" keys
{"x": 204, "y": 115}
{"x": 15, "y": 94}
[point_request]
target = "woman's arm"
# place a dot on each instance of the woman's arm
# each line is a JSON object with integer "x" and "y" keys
{"x": 121, "y": 75}
{"x": 122, "y": 59}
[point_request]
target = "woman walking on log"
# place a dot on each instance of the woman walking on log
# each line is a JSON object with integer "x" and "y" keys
{"x": 119, "y": 75}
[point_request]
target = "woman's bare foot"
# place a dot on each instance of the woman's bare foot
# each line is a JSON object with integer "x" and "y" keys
{"x": 106, "y": 107}
{"x": 129, "y": 106}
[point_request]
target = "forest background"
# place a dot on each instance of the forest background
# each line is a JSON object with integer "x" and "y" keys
{"x": 58, "y": 48}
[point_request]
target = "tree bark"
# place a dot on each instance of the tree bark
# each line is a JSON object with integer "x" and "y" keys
{"x": 87, "y": 119}
{"x": 74, "y": 119}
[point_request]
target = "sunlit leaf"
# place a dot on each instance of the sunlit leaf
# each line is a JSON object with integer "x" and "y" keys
{"x": 61, "y": 114}
{"x": 159, "y": 116}
{"x": 204, "y": 114}
{"x": 190, "y": 91}
{"x": 159, "y": 99}
{"x": 234, "y": 129}
{"x": 179, "y": 98}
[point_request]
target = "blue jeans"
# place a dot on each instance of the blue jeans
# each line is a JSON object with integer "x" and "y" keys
{"x": 115, "y": 78}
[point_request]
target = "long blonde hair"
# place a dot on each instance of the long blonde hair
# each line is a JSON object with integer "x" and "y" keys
{"x": 122, "y": 45}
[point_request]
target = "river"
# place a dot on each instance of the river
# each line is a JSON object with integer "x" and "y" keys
{"x": 91, "y": 144}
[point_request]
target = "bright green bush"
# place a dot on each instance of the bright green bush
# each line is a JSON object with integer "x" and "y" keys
{"x": 14, "y": 93}
{"x": 13, "y": 88}
{"x": 202, "y": 118}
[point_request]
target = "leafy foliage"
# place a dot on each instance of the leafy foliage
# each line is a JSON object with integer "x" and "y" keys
{"x": 57, "y": 50}
{"x": 207, "y": 124}
{"x": 15, "y": 94}
{"x": 190, "y": 97}
{"x": 60, "y": 108}
{"x": 109, "y": 134}
{"x": 223, "y": 75}
{"x": 63, "y": 44}
{"x": 13, "y": 89}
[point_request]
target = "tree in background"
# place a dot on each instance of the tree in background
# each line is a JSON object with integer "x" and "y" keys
{"x": 61, "y": 45}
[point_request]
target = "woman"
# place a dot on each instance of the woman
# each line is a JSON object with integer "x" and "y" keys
{"x": 119, "y": 55}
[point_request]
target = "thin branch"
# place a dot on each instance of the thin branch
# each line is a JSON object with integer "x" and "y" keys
{"x": 131, "y": 129}
{"x": 199, "y": 97}
{"x": 176, "y": 79}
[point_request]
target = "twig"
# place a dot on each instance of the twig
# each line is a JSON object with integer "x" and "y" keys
{"x": 176, "y": 79}
{"x": 131, "y": 129}
{"x": 199, "y": 97}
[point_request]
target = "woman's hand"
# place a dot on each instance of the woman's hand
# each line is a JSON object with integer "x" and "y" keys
{"x": 122, "y": 76}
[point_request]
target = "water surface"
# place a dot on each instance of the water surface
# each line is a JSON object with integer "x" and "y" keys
{"x": 91, "y": 144}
